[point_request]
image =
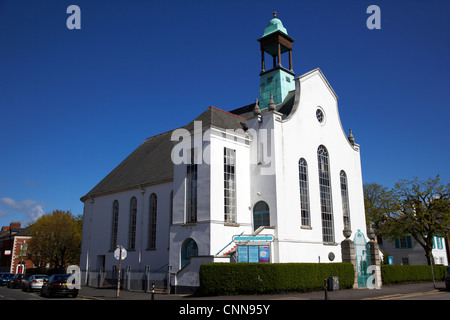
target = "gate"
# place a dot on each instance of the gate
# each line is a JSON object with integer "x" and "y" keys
{"x": 362, "y": 259}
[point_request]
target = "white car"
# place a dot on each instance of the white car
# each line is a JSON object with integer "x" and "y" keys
{"x": 35, "y": 282}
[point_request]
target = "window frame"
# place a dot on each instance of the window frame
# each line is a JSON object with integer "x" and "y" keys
{"x": 305, "y": 212}
{"x": 114, "y": 224}
{"x": 326, "y": 197}
{"x": 152, "y": 220}
{"x": 345, "y": 199}
{"x": 132, "y": 224}
{"x": 229, "y": 177}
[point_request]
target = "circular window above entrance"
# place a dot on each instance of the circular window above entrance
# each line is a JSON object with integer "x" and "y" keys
{"x": 320, "y": 116}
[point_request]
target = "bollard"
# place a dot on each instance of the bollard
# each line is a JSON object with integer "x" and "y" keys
{"x": 153, "y": 291}
{"x": 325, "y": 288}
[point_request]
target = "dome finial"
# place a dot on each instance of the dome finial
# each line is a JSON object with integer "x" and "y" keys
{"x": 271, "y": 104}
{"x": 256, "y": 109}
{"x": 351, "y": 138}
{"x": 274, "y": 14}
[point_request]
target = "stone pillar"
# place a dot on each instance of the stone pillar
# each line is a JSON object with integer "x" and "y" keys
{"x": 348, "y": 252}
{"x": 374, "y": 252}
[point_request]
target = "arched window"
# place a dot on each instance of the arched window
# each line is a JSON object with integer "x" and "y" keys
{"x": 188, "y": 249}
{"x": 191, "y": 189}
{"x": 171, "y": 207}
{"x": 229, "y": 181}
{"x": 345, "y": 202}
{"x": 261, "y": 215}
{"x": 115, "y": 224}
{"x": 325, "y": 195}
{"x": 304, "y": 192}
{"x": 152, "y": 222}
{"x": 132, "y": 229}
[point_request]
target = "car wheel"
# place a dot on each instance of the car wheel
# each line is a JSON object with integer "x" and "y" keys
{"x": 75, "y": 294}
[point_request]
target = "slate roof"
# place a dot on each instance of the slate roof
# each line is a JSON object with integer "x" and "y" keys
{"x": 151, "y": 162}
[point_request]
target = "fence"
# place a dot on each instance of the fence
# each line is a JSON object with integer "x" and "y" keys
{"x": 133, "y": 280}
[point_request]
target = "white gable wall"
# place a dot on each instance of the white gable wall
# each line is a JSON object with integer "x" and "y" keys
{"x": 297, "y": 137}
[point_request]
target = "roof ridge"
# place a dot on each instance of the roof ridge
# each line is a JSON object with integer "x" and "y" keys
{"x": 228, "y": 112}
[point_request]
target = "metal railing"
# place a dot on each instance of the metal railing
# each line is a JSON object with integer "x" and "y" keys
{"x": 132, "y": 280}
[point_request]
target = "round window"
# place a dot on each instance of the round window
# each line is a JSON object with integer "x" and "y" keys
{"x": 320, "y": 116}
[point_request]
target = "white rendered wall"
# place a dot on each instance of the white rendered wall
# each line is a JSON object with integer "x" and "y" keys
{"x": 97, "y": 228}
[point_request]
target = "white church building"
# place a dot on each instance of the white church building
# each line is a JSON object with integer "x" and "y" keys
{"x": 274, "y": 181}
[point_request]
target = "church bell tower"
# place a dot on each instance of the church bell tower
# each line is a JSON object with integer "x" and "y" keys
{"x": 277, "y": 81}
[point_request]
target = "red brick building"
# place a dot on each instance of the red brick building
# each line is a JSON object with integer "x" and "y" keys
{"x": 14, "y": 248}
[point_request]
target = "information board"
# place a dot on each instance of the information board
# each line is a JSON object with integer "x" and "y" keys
{"x": 254, "y": 253}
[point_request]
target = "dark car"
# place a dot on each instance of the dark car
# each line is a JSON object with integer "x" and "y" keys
{"x": 17, "y": 280}
{"x": 5, "y": 277}
{"x": 57, "y": 285}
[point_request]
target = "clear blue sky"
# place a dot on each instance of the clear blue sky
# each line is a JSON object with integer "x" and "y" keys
{"x": 75, "y": 103}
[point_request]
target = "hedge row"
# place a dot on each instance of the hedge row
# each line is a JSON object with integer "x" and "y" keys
{"x": 259, "y": 278}
{"x": 394, "y": 274}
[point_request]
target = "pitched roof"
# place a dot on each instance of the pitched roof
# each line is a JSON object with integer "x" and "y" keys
{"x": 151, "y": 162}
{"x": 284, "y": 108}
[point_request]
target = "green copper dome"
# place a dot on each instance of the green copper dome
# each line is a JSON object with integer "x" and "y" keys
{"x": 274, "y": 25}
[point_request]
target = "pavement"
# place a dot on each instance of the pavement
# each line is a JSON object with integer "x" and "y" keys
{"x": 414, "y": 291}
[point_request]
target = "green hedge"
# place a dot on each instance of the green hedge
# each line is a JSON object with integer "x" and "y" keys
{"x": 259, "y": 278}
{"x": 394, "y": 274}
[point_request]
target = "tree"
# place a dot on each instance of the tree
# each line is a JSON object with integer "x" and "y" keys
{"x": 376, "y": 202}
{"x": 56, "y": 239}
{"x": 417, "y": 208}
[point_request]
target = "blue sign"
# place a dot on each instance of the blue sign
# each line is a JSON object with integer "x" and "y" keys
{"x": 264, "y": 254}
{"x": 242, "y": 254}
{"x": 251, "y": 238}
{"x": 253, "y": 254}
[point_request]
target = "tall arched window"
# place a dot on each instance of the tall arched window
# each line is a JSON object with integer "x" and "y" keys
{"x": 345, "y": 202}
{"x": 191, "y": 189}
{"x": 132, "y": 229}
{"x": 152, "y": 222}
{"x": 325, "y": 195}
{"x": 304, "y": 192}
{"x": 189, "y": 249}
{"x": 261, "y": 215}
{"x": 115, "y": 224}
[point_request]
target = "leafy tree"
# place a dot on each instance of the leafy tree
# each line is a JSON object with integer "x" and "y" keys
{"x": 376, "y": 202}
{"x": 417, "y": 208}
{"x": 56, "y": 239}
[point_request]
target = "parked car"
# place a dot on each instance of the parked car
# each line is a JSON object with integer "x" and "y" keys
{"x": 5, "y": 277}
{"x": 34, "y": 282}
{"x": 57, "y": 285}
{"x": 447, "y": 279}
{"x": 17, "y": 280}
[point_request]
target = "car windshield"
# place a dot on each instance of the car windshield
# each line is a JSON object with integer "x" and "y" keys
{"x": 60, "y": 277}
{"x": 40, "y": 276}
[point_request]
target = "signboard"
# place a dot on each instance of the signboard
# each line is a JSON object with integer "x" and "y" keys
{"x": 117, "y": 253}
{"x": 242, "y": 254}
{"x": 253, "y": 238}
{"x": 254, "y": 254}
{"x": 264, "y": 254}
{"x": 390, "y": 260}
